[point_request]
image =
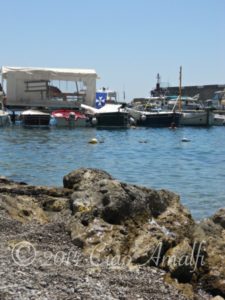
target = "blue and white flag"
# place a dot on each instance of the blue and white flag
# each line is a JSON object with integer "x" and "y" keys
{"x": 100, "y": 100}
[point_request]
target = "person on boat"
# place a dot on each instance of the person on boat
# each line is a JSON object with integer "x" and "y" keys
{"x": 13, "y": 117}
{"x": 173, "y": 125}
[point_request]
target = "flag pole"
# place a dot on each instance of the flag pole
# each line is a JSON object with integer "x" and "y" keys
{"x": 180, "y": 83}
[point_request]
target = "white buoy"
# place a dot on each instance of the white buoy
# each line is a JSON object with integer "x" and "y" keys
{"x": 132, "y": 121}
{"x": 94, "y": 121}
{"x": 143, "y": 117}
{"x": 93, "y": 141}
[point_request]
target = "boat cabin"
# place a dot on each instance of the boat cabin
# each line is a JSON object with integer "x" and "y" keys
{"x": 49, "y": 87}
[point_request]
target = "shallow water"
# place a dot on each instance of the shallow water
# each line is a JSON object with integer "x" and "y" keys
{"x": 156, "y": 158}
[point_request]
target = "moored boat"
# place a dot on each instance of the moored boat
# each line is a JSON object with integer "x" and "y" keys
{"x": 197, "y": 118}
{"x": 69, "y": 118}
{"x": 218, "y": 120}
{"x": 155, "y": 119}
{"x": 4, "y": 118}
{"x": 189, "y": 116}
{"x": 34, "y": 117}
{"x": 108, "y": 116}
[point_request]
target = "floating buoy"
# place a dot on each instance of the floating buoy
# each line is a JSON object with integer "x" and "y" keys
{"x": 94, "y": 121}
{"x": 143, "y": 141}
{"x": 132, "y": 121}
{"x": 143, "y": 117}
{"x": 93, "y": 141}
{"x": 185, "y": 140}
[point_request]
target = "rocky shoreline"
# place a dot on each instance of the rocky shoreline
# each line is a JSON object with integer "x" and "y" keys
{"x": 98, "y": 238}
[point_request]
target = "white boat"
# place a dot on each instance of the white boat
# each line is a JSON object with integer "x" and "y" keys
{"x": 33, "y": 117}
{"x": 187, "y": 103}
{"x": 197, "y": 118}
{"x": 192, "y": 112}
{"x": 218, "y": 120}
{"x": 189, "y": 116}
{"x": 4, "y": 115}
{"x": 108, "y": 116}
{"x": 155, "y": 119}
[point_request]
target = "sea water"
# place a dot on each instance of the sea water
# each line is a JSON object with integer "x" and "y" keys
{"x": 188, "y": 161}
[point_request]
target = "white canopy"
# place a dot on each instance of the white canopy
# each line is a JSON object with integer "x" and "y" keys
{"x": 50, "y": 73}
{"x": 20, "y": 79}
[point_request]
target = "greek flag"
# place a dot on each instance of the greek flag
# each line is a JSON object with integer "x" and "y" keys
{"x": 100, "y": 100}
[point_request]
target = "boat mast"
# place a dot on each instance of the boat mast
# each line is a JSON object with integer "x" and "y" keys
{"x": 180, "y": 83}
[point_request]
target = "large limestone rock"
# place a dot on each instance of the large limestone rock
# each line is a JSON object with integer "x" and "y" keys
{"x": 119, "y": 225}
{"x": 126, "y": 220}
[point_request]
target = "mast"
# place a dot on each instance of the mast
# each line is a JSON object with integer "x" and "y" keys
{"x": 180, "y": 83}
{"x": 158, "y": 83}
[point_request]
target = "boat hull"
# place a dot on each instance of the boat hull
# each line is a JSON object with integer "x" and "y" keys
{"x": 4, "y": 119}
{"x": 155, "y": 119}
{"x": 197, "y": 118}
{"x": 218, "y": 120}
{"x": 36, "y": 120}
{"x": 69, "y": 118}
{"x": 111, "y": 120}
{"x": 71, "y": 122}
{"x": 160, "y": 120}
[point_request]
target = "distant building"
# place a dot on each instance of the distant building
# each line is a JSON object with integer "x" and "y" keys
{"x": 205, "y": 91}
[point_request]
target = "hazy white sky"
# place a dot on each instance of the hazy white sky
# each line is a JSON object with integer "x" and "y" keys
{"x": 127, "y": 42}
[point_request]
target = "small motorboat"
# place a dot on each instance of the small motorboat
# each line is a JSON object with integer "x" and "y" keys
{"x": 69, "y": 118}
{"x": 218, "y": 120}
{"x": 33, "y": 117}
{"x": 108, "y": 116}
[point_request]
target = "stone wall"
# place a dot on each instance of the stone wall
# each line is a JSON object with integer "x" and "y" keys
{"x": 205, "y": 91}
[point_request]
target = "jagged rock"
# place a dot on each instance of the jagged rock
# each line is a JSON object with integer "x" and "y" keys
{"x": 82, "y": 178}
{"x": 185, "y": 288}
{"x": 219, "y": 217}
{"x": 119, "y": 225}
{"x": 180, "y": 261}
{"x": 23, "y": 209}
{"x": 212, "y": 237}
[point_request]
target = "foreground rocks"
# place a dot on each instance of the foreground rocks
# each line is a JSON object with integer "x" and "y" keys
{"x": 98, "y": 238}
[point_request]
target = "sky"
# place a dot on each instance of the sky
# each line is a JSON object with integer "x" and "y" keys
{"x": 127, "y": 42}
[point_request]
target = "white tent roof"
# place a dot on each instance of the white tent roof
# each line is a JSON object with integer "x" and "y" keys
{"x": 51, "y": 73}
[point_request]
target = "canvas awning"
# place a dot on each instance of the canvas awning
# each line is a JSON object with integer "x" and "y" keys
{"x": 28, "y": 86}
{"x": 50, "y": 73}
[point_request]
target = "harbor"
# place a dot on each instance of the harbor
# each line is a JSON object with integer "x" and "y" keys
{"x": 171, "y": 138}
{"x": 34, "y": 92}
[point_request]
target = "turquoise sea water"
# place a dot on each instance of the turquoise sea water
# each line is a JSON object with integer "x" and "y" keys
{"x": 156, "y": 158}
